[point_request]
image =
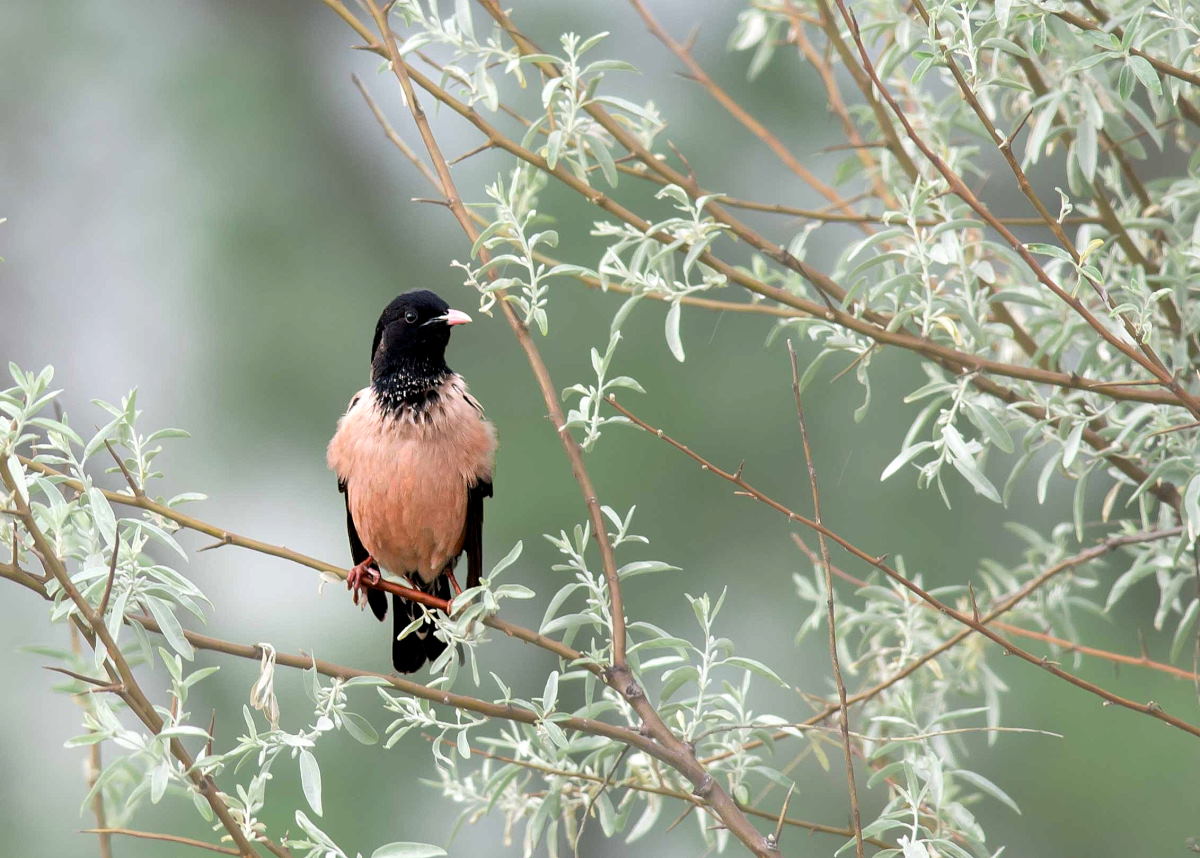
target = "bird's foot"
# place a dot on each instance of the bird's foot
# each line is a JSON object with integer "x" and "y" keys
{"x": 361, "y": 577}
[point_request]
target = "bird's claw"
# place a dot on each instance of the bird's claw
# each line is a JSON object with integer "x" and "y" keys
{"x": 361, "y": 577}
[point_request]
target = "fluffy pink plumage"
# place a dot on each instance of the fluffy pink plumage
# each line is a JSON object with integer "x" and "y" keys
{"x": 407, "y": 476}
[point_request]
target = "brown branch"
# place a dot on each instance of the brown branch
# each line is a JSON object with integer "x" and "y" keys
{"x": 390, "y": 133}
{"x": 1162, "y": 66}
{"x": 875, "y": 328}
{"x": 1144, "y": 354}
{"x": 1151, "y": 708}
{"x": 227, "y": 537}
{"x": 885, "y": 219}
{"x": 829, "y": 27}
{"x": 112, "y": 574}
{"x": 105, "y": 833}
{"x": 132, "y": 693}
{"x": 549, "y": 392}
{"x": 94, "y": 763}
{"x": 618, "y": 675}
{"x": 691, "y": 800}
{"x": 506, "y": 711}
{"x": 837, "y": 104}
{"x": 133, "y": 485}
{"x": 827, "y": 564}
{"x": 1036, "y": 583}
{"x": 723, "y": 98}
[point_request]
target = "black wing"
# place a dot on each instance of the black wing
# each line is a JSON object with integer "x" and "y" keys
{"x": 377, "y": 599}
{"x": 473, "y": 542}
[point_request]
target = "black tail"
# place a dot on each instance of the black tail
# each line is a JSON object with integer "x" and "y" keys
{"x": 409, "y": 653}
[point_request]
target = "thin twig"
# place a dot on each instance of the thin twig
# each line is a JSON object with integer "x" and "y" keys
{"x": 749, "y": 122}
{"x": 1036, "y": 583}
{"x": 871, "y": 324}
{"x": 1143, "y": 354}
{"x": 82, "y": 677}
{"x": 112, "y": 574}
{"x": 132, "y": 692}
{"x": 227, "y": 537}
{"x": 618, "y": 675}
{"x": 844, "y": 712}
{"x": 133, "y": 485}
{"x": 685, "y": 797}
{"x": 1151, "y": 708}
{"x": 604, "y": 784}
{"x": 105, "y": 833}
{"x": 787, "y": 799}
{"x": 391, "y": 133}
{"x": 95, "y": 764}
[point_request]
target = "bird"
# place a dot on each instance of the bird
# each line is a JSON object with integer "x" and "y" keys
{"x": 414, "y": 457}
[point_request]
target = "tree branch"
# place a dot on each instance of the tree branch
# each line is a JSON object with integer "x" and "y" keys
{"x": 618, "y": 676}
{"x": 1146, "y": 357}
{"x": 739, "y": 113}
{"x": 131, "y": 692}
{"x": 1150, "y": 708}
{"x": 105, "y": 833}
{"x": 827, "y": 565}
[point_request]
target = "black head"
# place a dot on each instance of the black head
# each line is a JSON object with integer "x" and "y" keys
{"x": 411, "y": 336}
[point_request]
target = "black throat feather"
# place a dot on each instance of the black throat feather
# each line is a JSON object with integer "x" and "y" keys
{"x": 410, "y": 386}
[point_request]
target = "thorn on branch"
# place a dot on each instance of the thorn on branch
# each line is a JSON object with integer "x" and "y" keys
{"x": 133, "y": 486}
{"x": 1006, "y": 144}
{"x": 112, "y": 574}
{"x": 101, "y": 684}
{"x": 772, "y": 839}
{"x": 212, "y": 732}
{"x": 483, "y": 147}
{"x": 687, "y": 811}
{"x": 225, "y": 539}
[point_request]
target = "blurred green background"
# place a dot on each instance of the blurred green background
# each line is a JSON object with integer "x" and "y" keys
{"x": 199, "y": 205}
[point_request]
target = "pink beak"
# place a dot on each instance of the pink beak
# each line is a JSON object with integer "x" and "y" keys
{"x": 456, "y": 317}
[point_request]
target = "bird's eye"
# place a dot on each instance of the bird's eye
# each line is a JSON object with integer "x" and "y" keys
{"x": 410, "y": 316}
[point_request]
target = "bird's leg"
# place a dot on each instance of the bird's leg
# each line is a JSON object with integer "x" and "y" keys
{"x": 449, "y": 573}
{"x": 362, "y": 576}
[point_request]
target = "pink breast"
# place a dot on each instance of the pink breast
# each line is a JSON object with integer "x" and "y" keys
{"x": 407, "y": 480}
